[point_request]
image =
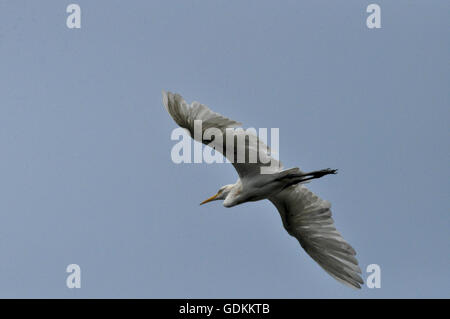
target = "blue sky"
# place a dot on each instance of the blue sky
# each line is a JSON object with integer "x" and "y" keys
{"x": 86, "y": 174}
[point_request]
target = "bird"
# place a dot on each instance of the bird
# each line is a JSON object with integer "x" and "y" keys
{"x": 304, "y": 215}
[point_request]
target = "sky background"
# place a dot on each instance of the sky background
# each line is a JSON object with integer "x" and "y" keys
{"x": 85, "y": 170}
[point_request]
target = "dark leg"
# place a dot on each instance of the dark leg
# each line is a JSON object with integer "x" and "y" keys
{"x": 301, "y": 178}
{"x": 319, "y": 174}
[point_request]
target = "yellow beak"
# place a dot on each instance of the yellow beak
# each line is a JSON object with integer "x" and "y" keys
{"x": 209, "y": 199}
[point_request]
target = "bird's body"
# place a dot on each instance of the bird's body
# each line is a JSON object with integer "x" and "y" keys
{"x": 304, "y": 215}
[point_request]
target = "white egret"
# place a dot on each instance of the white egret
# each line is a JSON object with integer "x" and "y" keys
{"x": 305, "y": 216}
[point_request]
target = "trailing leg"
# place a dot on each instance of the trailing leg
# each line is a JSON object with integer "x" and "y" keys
{"x": 297, "y": 177}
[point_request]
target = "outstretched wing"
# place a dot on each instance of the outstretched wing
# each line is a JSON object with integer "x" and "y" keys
{"x": 308, "y": 218}
{"x": 185, "y": 115}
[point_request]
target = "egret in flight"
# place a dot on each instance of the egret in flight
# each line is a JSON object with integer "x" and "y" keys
{"x": 304, "y": 215}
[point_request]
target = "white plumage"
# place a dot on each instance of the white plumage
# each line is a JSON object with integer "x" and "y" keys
{"x": 305, "y": 216}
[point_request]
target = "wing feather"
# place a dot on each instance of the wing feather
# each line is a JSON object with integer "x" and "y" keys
{"x": 185, "y": 115}
{"x": 308, "y": 218}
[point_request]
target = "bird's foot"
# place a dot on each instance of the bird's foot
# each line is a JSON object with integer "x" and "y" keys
{"x": 323, "y": 172}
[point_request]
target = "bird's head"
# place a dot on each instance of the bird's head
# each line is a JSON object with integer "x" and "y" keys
{"x": 221, "y": 194}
